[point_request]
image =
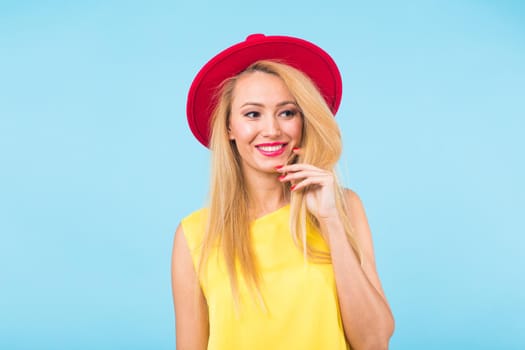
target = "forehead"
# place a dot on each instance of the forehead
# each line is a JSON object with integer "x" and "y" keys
{"x": 260, "y": 87}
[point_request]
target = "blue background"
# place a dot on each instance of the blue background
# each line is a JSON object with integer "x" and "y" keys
{"x": 98, "y": 165}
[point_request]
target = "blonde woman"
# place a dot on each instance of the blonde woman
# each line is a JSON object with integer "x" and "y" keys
{"x": 282, "y": 255}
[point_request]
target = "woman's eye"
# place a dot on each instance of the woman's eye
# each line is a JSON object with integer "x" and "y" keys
{"x": 288, "y": 113}
{"x": 251, "y": 114}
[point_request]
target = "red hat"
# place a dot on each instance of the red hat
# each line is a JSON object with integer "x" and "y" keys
{"x": 300, "y": 54}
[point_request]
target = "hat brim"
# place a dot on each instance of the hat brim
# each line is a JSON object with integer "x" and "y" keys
{"x": 298, "y": 53}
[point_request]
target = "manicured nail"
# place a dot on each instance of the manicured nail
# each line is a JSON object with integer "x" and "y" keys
{"x": 282, "y": 176}
{"x": 278, "y": 167}
{"x": 295, "y": 149}
{"x": 292, "y": 188}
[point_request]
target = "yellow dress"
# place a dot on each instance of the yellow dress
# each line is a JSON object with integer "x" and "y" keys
{"x": 302, "y": 311}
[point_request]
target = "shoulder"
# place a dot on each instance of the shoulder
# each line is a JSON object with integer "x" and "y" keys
{"x": 363, "y": 235}
{"x": 196, "y": 215}
{"x": 190, "y": 317}
{"x": 351, "y": 196}
{"x": 359, "y": 221}
{"x": 353, "y": 202}
{"x": 192, "y": 227}
{"x": 195, "y": 219}
{"x": 354, "y": 206}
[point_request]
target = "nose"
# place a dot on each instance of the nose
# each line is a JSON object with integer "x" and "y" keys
{"x": 271, "y": 127}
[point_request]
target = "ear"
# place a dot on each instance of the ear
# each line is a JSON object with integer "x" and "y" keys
{"x": 230, "y": 135}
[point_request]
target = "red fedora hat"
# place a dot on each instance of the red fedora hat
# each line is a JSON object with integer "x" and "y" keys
{"x": 298, "y": 53}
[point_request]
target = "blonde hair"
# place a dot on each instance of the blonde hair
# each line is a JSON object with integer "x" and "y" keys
{"x": 228, "y": 220}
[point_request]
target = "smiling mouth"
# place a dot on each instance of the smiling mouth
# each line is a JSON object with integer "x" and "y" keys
{"x": 272, "y": 150}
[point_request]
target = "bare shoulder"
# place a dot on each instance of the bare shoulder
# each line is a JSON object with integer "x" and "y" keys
{"x": 191, "y": 315}
{"x": 357, "y": 214}
{"x": 182, "y": 269}
{"x": 352, "y": 197}
{"x": 181, "y": 252}
{"x": 363, "y": 235}
{"x": 360, "y": 225}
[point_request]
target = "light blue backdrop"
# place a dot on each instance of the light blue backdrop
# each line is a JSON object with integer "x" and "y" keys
{"x": 98, "y": 165}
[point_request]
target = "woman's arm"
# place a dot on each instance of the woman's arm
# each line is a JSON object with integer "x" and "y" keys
{"x": 367, "y": 320}
{"x": 191, "y": 312}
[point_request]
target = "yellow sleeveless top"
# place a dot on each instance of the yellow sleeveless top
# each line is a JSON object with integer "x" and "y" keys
{"x": 302, "y": 311}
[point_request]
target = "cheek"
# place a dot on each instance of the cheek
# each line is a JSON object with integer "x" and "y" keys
{"x": 295, "y": 129}
{"x": 240, "y": 131}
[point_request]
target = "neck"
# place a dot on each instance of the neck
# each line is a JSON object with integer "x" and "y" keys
{"x": 265, "y": 194}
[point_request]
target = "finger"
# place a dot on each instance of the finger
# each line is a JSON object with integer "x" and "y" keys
{"x": 305, "y": 174}
{"x": 311, "y": 181}
{"x": 297, "y": 150}
{"x": 297, "y": 167}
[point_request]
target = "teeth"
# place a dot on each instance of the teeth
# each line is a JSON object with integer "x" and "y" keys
{"x": 271, "y": 148}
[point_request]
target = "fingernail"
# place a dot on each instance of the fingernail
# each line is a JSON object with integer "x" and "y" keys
{"x": 292, "y": 188}
{"x": 295, "y": 149}
{"x": 278, "y": 167}
{"x": 282, "y": 176}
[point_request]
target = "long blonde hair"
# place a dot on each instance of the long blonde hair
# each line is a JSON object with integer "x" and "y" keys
{"x": 228, "y": 223}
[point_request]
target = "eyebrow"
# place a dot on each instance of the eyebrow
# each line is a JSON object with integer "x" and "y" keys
{"x": 280, "y": 104}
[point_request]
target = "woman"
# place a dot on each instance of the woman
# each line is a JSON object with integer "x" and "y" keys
{"x": 282, "y": 257}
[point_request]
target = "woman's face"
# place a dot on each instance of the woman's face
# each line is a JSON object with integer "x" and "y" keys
{"x": 265, "y": 122}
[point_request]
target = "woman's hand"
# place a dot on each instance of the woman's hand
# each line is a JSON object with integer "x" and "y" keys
{"x": 318, "y": 185}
